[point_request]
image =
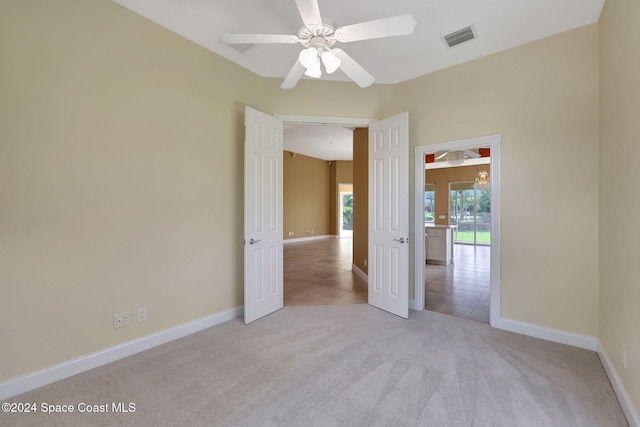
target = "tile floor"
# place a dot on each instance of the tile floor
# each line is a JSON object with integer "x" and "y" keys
{"x": 462, "y": 288}
{"x": 319, "y": 273}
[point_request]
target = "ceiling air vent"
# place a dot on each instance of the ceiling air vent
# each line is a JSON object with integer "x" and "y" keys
{"x": 460, "y": 36}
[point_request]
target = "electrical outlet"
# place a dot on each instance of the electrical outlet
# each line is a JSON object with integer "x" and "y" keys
{"x": 142, "y": 314}
{"x": 118, "y": 320}
{"x": 291, "y": 233}
{"x": 624, "y": 357}
{"x": 365, "y": 262}
{"x": 121, "y": 319}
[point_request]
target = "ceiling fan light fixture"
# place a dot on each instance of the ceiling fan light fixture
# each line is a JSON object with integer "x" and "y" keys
{"x": 314, "y": 71}
{"x": 455, "y": 158}
{"x": 316, "y": 74}
{"x": 309, "y": 58}
{"x": 330, "y": 61}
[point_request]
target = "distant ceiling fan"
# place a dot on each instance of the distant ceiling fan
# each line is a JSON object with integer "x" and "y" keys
{"x": 457, "y": 158}
{"x": 318, "y": 37}
{"x": 465, "y": 153}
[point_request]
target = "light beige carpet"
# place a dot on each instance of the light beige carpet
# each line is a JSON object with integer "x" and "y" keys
{"x": 343, "y": 365}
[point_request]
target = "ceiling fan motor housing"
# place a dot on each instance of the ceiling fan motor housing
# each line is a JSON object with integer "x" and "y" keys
{"x": 319, "y": 37}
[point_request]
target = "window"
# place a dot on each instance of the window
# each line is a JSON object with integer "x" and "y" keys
{"x": 429, "y": 203}
{"x": 347, "y": 211}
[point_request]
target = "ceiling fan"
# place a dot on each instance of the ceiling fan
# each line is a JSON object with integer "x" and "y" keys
{"x": 319, "y": 35}
{"x": 464, "y": 154}
{"x": 457, "y": 158}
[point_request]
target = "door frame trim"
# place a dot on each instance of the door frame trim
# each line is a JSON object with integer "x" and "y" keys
{"x": 359, "y": 122}
{"x": 493, "y": 142}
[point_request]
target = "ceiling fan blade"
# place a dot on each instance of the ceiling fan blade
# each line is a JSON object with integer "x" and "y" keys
{"x": 387, "y": 27}
{"x": 310, "y": 12}
{"x": 258, "y": 38}
{"x": 352, "y": 69}
{"x": 471, "y": 154}
{"x": 294, "y": 75}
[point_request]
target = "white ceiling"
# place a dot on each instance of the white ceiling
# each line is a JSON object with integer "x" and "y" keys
{"x": 500, "y": 25}
{"x": 321, "y": 142}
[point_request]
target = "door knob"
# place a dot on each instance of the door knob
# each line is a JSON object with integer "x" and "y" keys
{"x": 400, "y": 240}
{"x": 251, "y": 241}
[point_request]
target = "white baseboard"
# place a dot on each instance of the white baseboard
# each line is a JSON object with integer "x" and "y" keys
{"x": 361, "y": 274}
{"x": 555, "y": 335}
{"x": 310, "y": 238}
{"x": 412, "y": 304}
{"x": 33, "y": 380}
{"x": 618, "y": 386}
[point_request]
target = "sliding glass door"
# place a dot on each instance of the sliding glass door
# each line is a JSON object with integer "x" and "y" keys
{"x": 470, "y": 212}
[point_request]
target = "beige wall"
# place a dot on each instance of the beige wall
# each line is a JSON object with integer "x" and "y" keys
{"x": 341, "y": 173}
{"x": 441, "y": 178}
{"x": 361, "y": 198}
{"x": 335, "y": 99}
{"x": 120, "y": 179}
{"x": 306, "y": 196}
{"x": 619, "y": 198}
{"x": 543, "y": 98}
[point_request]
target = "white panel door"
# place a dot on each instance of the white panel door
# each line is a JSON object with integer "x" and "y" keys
{"x": 389, "y": 214}
{"x": 263, "y": 263}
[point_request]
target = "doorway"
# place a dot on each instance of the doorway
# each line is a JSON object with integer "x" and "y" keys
{"x": 318, "y": 267}
{"x": 388, "y": 149}
{"x": 493, "y": 143}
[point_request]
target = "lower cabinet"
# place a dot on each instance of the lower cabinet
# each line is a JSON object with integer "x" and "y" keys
{"x": 438, "y": 245}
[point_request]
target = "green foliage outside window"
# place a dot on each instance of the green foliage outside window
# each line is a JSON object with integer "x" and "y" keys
{"x": 347, "y": 211}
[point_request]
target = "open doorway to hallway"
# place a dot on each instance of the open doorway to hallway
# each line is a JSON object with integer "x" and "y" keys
{"x": 320, "y": 219}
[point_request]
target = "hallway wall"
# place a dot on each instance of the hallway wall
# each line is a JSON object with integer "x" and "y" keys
{"x": 306, "y": 199}
{"x": 619, "y": 202}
